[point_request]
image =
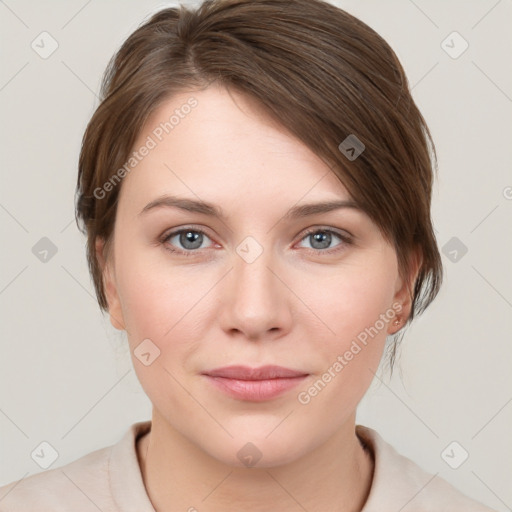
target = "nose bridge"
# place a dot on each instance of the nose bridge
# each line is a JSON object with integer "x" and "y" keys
{"x": 257, "y": 301}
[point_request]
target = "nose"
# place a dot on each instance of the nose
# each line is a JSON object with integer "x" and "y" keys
{"x": 256, "y": 300}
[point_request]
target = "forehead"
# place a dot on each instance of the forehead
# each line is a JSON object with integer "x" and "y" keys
{"x": 220, "y": 145}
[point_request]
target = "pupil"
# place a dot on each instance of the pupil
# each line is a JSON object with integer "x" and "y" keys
{"x": 191, "y": 237}
{"x": 324, "y": 239}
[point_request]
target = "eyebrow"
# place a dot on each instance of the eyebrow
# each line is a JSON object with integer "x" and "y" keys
{"x": 205, "y": 208}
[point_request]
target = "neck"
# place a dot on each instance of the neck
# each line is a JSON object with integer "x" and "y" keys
{"x": 178, "y": 475}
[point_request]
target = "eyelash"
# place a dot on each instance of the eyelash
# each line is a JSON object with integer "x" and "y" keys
{"x": 346, "y": 240}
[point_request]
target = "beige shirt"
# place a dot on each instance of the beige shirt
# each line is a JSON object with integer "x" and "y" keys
{"x": 110, "y": 480}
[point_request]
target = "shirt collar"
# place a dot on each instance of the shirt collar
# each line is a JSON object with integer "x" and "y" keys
{"x": 126, "y": 482}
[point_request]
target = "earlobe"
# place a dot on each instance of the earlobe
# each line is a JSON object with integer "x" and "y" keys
{"x": 405, "y": 294}
{"x": 109, "y": 286}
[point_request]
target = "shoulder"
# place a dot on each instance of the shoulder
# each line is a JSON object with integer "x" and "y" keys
{"x": 73, "y": 486}
{"x": 400, "y": 484}
{"x": 107, "y": 479}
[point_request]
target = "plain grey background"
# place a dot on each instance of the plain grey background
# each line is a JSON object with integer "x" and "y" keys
{"x": 66, "y": 375}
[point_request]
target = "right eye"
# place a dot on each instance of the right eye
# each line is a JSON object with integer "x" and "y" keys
{"x": 190, "y": 239}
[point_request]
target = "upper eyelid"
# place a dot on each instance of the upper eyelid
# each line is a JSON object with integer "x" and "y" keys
{"x": 173, "y": 232}
{"x": 336, "y": 231}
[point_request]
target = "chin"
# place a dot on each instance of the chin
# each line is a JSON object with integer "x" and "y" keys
{"x": 262, "y": 443}
{"x": 259, "y": 453}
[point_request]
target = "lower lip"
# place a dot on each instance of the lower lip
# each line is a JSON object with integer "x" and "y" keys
{"x": 255, "y": 390}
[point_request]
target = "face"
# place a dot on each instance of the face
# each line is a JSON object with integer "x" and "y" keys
{"x": 255, "y": 286}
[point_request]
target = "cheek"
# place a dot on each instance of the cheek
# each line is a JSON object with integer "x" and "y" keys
{"x": 154, "y": 295}
{"x": 162, "y": 309}
{"x": 355, "y": 306}
{"x": 351, "y": 299}
{"x": 171, "y": 306}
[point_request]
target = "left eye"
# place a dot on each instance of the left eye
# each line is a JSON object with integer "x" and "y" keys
{"x": 321, "y": 239}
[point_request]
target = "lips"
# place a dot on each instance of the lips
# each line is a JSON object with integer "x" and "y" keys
{"x": 254, "y": 384}
{"x": 261, "y": 373}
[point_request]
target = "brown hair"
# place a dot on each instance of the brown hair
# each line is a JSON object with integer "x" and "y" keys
{"x": 323, "y": 74}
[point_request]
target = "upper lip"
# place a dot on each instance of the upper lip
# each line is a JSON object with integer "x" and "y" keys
{"x": 260, "y": 373}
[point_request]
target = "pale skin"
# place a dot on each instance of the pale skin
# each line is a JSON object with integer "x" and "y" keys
{"x": 292, "y": 306}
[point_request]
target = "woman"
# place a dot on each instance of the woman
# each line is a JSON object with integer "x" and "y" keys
{"x": 255, "y": 189}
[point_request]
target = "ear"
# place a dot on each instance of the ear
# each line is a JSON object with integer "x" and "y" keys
{"x": 404, "y": 293}
{"x": 110, "y": 286}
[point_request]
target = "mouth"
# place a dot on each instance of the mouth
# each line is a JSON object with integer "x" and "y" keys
{"x": 254, "y": 384}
